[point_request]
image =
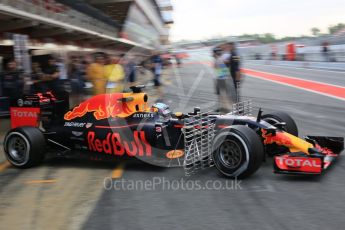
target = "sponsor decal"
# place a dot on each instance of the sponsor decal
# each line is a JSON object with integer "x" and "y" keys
{"x": 21, "y": 103}
{"x": 74, "y": 124}
{"x": 77, "y": 134}
{"x": 158, "y": 129}
{"x": 295, "y": 144}
{"x": 24, "y": 114}
{"x": 143, "y": 115}
{"x": 88, "y": 125}
{"x": 301, "y": 164}
{"x": 175, "y": 154}
{"x": 101, "y": 106}
{"x": 21, "y": 116}
{"x": 278, "y": 138}
{"x": 115, "y": 145}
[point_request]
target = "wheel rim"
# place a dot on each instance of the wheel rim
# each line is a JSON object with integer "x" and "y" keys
{"x": 17, "y": 149}
{"x": 230, "y": 154}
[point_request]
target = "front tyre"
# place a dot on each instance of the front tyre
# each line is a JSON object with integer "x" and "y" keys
{"x": 237, "y": 151}
{"x": 278, "y": 117}
{"x": 24, "y": 147}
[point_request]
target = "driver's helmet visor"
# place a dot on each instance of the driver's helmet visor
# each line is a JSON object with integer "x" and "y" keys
{"x": 163, "y": 109}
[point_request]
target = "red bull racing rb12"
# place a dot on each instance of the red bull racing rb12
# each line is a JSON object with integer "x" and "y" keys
{"x": 113, "y": 126}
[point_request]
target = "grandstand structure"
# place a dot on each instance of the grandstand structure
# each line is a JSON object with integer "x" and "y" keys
{"x": 86, "y": 25}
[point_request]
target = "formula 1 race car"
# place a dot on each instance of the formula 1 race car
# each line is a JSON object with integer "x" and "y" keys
{"x": 111, "y": 126}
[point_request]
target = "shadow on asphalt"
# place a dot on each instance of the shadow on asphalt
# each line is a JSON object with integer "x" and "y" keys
{"x": 137, "y": 165}
{"x": 131, "y": 164}
{"x": 78, "y": 163}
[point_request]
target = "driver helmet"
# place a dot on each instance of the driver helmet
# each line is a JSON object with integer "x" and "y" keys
{"x": 163, "y": 110}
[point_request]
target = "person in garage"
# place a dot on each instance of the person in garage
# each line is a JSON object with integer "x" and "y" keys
{"x": 12, "y": 80}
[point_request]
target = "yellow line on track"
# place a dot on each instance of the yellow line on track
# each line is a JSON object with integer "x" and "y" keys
{"x": 4, "y": 165}
{"x": 40, "y": 181}
{"x": 118, "y": 171}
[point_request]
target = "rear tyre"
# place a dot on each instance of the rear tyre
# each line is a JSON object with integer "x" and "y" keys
{"x": 237, "y": 151}
{"x": 24, "y": 147}
{"x": 278, "y": 117}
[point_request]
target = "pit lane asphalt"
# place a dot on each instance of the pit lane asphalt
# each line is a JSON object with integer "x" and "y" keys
{"x": 264, "y": 201}
{"x": 325, "y": 76}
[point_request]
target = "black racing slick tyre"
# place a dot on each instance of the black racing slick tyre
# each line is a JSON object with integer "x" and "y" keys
{"x": 25, "y": 147}
{"x": 278, "y": 117}
{"x": 237, "y": 151}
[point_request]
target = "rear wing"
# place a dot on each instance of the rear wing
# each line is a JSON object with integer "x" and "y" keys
{"x": 4, "y": 107}
{"x": 30, "y": 110}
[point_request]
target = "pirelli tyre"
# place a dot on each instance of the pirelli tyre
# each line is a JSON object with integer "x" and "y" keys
{"x": 25, "y": 147}
{"x": 237, "y": 151}
{"x": 279, "y": 117}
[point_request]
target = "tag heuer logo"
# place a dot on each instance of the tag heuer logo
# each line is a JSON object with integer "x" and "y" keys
{"x": 74, "y": 124}
{"x": 88, "y": 125}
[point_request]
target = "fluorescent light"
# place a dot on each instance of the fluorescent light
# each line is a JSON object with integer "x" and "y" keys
{"x": 8, "y": 42}
{"x": 50, "y": 45}
{"x": 88, "y": 49}
{"x": 70, "y": 47}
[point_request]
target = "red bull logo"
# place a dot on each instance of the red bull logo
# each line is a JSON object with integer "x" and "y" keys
{"x": 102, "y": 106}
{"x": 279, "y": 138}
{"x": 113, "y": 144}
{"x": 295, "y": 144}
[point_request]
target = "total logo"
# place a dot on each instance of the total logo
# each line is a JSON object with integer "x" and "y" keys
{"x": 18, "y": 113}
{"x": 299, "y": 162}
{"x": 114, "y": 144}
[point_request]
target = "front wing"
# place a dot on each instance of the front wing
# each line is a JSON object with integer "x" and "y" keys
{"x": 324, "y": 153}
